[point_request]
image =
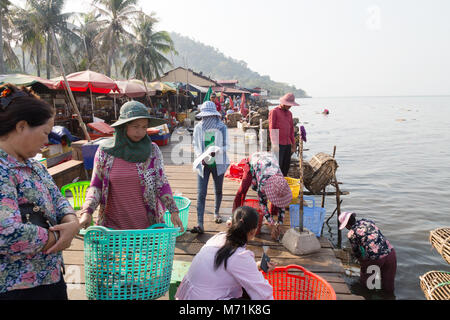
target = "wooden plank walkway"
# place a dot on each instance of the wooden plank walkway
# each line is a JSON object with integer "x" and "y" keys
{"x": 183, "y": 180}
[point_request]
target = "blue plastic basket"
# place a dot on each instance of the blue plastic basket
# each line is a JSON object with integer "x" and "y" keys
{"x": 183, "y": 205}
{"x": 128, "y": 264}
{"x": 313, "y": 217}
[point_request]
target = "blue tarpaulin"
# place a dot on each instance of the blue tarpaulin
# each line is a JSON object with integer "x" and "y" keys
{"x": 58, "y": 133}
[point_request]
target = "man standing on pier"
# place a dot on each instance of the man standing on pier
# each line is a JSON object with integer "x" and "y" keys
{"x": 281, "y": 127}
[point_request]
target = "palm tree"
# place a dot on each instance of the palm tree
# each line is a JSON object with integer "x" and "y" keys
{"x": 89, "y": 28}
{"x": 117, "y": 15}
{"x": 145, "y": 57}
{"x": 50, "y": 18}
{"x": 33, "y": 40}
{"x": 4, "y": 4}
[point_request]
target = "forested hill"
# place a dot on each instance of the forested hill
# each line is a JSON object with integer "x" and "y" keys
{"x": 214, "y": 64}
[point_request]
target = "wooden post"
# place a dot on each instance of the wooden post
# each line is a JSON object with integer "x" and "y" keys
{"x": 300, "y": 215}
{"x": 72, "y": 99}
{"x": 338, "y": 204}
{"x": 92, "y": 104}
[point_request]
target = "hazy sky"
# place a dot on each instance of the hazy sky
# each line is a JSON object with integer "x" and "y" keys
{"x": 326, "y": 47}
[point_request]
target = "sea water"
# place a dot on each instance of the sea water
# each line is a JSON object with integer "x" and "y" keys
{"x": 394, "y": 159}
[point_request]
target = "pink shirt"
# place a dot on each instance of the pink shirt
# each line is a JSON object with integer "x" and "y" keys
{"x": 203, "y": 282}
{"x": 281, "y": 126}
{"x": 125, "y": 209}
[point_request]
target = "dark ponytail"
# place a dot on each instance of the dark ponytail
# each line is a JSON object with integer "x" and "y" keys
{"x": 245, "y": 219}
{"x": 17, "y": 104}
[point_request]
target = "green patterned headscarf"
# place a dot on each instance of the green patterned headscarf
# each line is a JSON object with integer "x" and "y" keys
{"x": 122, "y": 147}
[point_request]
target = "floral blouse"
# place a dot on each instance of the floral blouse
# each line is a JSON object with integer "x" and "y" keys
{"x": 264, "y": 165}
{"x": 22, "y": 264}
{"x": 156, "y": 190}
{"x": 367, "y": 241}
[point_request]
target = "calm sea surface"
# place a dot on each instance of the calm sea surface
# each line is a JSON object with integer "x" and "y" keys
{"x": 394, "y": 159}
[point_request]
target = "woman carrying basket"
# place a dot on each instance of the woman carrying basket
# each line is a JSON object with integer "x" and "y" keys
{"x": 263, "y": 173}
{"x": 128, "y": 180}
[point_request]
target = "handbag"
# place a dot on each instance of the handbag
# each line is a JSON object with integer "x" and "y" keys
{"x": 31, "y": 213}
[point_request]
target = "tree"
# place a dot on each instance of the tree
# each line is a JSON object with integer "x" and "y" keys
{"x": 145, "y": 54}
{"x": 33, "y": 40}
{"x": 6, "y": 37}
{"x": 117, "y": 15}
{"x": 49, "y": 18}
{"x": 85, "y": 54}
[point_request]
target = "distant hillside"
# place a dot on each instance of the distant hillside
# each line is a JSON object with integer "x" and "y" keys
{"x": 214, "y": 64}
{"x": 201, "y": 58}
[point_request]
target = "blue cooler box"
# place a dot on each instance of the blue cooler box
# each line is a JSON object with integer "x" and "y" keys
{"x": 89, "y": 149}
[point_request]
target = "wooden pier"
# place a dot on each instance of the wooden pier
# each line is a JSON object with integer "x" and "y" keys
{"x": 183, "y": 180}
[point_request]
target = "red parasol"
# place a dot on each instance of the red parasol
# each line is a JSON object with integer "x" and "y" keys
{"x": 84, "y": 80}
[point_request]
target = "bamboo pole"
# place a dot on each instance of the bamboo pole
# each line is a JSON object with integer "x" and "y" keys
{"x": 92, "y": 104}
{"x": 72, "y": 99}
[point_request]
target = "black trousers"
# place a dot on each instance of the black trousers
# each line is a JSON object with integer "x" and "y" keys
{"x": 56, "y": 291}
{"x": 284, "y": 160}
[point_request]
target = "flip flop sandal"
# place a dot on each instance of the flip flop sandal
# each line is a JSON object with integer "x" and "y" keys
{"x": 197, "y": 230}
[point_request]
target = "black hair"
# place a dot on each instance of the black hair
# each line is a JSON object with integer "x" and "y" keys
{"x": 351, "y": 220}
{"x": 245, "y": 219}
{"x": 20, "y": 103}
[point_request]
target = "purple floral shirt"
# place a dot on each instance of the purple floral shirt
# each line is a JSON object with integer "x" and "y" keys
{"x": 22, "y": 264}
{"x": 367, "y": 241}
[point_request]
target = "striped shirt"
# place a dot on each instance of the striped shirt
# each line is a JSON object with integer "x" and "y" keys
{"x": 125, "y": 209}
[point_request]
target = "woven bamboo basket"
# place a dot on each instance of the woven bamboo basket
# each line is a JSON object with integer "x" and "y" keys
{"x": 324, "y": 167}
{"x": 436, "y": 285}
{"x": 440, "y": 240}
{"x": 294, "y": 171}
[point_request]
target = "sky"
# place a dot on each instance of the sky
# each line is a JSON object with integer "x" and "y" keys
{"x": 328, "y": 48}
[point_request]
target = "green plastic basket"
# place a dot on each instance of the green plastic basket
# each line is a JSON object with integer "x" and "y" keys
{"x": 128, "y": 264}
{"x": 183, "y": 205}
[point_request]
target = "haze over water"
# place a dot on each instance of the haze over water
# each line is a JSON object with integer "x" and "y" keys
{"x": 394, "y": 158}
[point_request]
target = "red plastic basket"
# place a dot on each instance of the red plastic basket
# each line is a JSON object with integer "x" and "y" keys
{"x": 297, "y": 283}
{"x": 255, "y": 204}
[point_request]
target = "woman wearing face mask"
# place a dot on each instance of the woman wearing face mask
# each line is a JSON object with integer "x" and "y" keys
{"x": 128, "y": 180}
{"x": 36, "y": 222}
{"x": 209, "y": 133}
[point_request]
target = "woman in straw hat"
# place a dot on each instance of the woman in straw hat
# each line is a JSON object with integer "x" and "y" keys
{"x": 128, "y": 180}
{"x": 263, "y": 173}
{"x": 211, "y": 132}
{"x": 371, "y": 248}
